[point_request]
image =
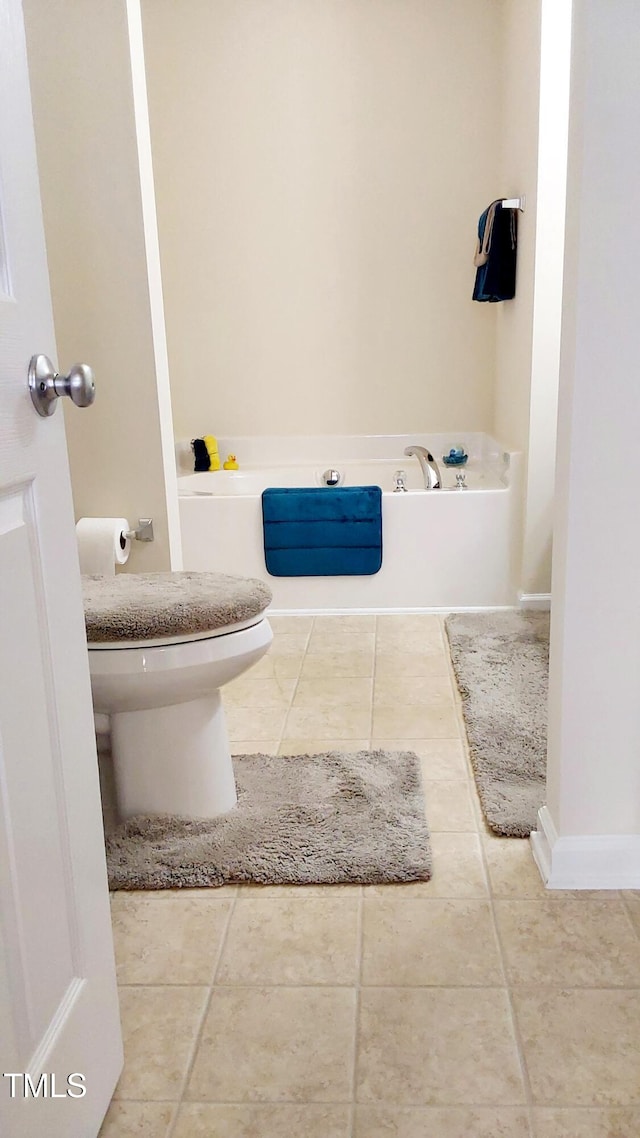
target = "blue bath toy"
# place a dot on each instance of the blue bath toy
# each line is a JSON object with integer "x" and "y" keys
{"x": 455, "y": 457}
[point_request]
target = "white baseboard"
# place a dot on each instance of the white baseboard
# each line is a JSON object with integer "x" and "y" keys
{"x": 585, "y": 861}
{"x": 535, "y": 601}
{"x": 442, "y": 611}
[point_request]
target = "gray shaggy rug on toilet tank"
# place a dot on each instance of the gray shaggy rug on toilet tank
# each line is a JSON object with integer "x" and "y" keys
{"x": 501, "y": 662}
{"x": 300, "y": 820}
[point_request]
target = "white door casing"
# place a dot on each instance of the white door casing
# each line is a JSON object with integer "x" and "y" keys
{"x": 58, "y": 996}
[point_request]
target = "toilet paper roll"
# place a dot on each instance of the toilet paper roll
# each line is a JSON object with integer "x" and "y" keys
{"x": 102, "y": 545}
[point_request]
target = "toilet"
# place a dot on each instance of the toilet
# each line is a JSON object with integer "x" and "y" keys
{"x": 161, "y": 646}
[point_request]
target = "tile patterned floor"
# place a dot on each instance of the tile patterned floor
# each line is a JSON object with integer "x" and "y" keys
{"x": 472, "y": 1006}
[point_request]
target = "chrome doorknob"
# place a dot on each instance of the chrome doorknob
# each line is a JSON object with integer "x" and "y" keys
{"x": 46, "y": 386}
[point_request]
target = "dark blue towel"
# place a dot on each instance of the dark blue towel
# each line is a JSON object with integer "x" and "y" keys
{"x": 324, "y": 532}
{"x": 201, "y": 455}
{"x": 496, "y": 280}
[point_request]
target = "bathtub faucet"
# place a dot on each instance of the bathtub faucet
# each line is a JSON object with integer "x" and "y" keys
{"x": 428, "y": 466}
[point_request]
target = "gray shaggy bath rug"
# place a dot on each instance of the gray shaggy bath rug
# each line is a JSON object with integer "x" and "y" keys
{"x": 300, "y": 820}
{"x": 501, "y": 662}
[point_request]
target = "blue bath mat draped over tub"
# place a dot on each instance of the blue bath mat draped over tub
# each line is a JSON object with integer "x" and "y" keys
{"x": 322, "y": 532}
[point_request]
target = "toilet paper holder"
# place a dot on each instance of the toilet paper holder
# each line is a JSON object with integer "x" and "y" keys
{"x": 144, "y": 532}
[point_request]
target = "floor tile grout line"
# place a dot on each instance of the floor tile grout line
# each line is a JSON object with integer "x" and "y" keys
{"x": 476, "y": 804}
{"x": 515, "y": 1026}
{"x": 462, "y": 727}
{"x": 289, "y": 703}
{"x": 205, "y": 1012}
{"x": 627, "y": 909}
{"x": 426, "y": 1106}
{"x": 457, "y": 703}
{"x": 444, "y": 640}
{"x": 356, "y": 1026}
{"x": 530, "y": 986}
{"x": 374, "y": 666}
{"x": 283, "y": 730}
{"x": 299, "y": 677}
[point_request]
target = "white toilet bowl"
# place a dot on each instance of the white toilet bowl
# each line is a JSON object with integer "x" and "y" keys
{"x": 160, "y": 648}
{"x": 168, "y": 734}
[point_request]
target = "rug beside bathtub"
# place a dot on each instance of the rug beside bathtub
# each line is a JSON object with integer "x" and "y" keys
{"x": 501, "y": 662}
{"x": 300, "y": 820}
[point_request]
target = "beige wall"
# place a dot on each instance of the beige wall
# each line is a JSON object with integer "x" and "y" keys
{"x": 83, "y": 111}
{"x": 320, "y": 166}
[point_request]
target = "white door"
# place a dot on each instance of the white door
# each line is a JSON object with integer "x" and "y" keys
{"x": 58, "y": 998}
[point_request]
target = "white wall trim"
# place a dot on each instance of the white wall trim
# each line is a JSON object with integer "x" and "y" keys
{"x": 585, "y": 861}
{"x": 535, "y": 601}
{"x": 550, "y": 207}
{"x": 154, "y": 275}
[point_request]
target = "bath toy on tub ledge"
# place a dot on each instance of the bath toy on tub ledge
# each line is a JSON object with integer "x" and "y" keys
{"x": 455, "y": 457}
{"x": 202, "y": 458}
{"x": 230, "y": 463}
{"x": 211, "y": 444}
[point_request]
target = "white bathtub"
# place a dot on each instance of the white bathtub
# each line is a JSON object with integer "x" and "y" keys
{"x": 442, "y": 549}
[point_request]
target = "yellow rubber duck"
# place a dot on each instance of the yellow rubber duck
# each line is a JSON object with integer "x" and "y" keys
{"x": 230, "y": 463}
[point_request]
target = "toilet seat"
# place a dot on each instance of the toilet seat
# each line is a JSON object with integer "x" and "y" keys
{"x": 163, "y": 641}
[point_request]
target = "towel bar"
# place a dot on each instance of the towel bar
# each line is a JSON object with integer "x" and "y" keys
{"x": 514, "y": 203}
